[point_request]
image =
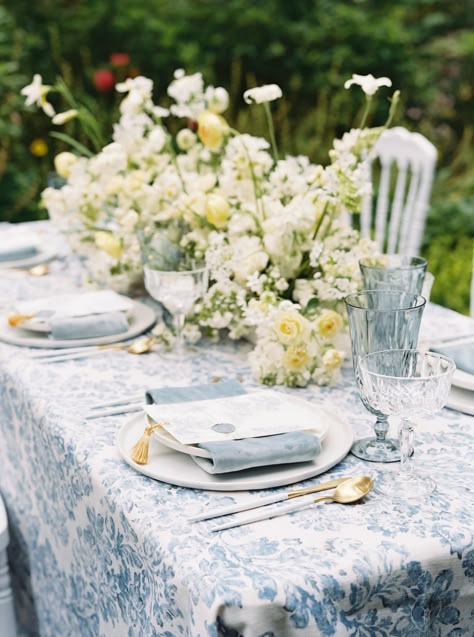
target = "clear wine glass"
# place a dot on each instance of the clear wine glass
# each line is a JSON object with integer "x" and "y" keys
{"x": 178, "y": 291}
{"x": 394, "y": 272}
{"x": 405, "y": 383}
{"x": 380, "y": 320}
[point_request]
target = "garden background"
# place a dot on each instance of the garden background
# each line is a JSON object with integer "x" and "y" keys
{"x": 307, "y": 47}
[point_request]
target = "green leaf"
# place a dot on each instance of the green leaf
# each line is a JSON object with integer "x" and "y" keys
{"x": 72, "y": 142}
{"x": 311, "y": 306}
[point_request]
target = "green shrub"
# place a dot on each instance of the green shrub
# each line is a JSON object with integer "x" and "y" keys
{"x": 308, "y": 47}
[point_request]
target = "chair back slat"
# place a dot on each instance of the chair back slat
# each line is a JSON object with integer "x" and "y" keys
{"x": 409, "y": 219}
{"x": 407, "y": 167}
{"x": 367, "y": 204}
{"x": 382, "y": 205}
{"x": 396, "y": 211}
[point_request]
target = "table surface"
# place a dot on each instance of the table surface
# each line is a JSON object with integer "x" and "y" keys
{"x": 98, "y": 549}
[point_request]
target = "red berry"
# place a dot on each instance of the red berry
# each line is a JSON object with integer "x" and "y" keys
{"x": 104, "y": 80}
{"x": 120, "y": 59}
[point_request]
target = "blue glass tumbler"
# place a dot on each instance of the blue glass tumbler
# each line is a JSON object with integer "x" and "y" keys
{"x": 381, "y": 320}
{"x": 394, "y": 272}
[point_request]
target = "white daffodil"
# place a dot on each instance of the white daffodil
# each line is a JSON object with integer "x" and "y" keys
{"x": 65, "y": 116}
{"x": 36, "y": 93}
{"x": 261, "y": 94}
{"x": 369, "y": 84}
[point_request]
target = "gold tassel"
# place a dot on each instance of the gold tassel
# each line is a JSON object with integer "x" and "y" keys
{"x": 140, "y": 449}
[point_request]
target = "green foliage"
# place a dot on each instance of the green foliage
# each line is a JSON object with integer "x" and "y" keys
{"x": 308, "y": 47}
{"x": 450, "y": 260}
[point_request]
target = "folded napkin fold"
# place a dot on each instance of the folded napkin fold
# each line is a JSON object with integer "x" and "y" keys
{"x": 462, "y": 355}
{"x": 237, "y": 455}
{"x": 18, "y": 249}
{"x": 92, "y": 326}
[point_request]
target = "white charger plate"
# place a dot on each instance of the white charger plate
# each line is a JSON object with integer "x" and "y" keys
{"x": 461, "y": 399}
{"x": 42, "y": 256}
{"x": 173, "y": 467}
{"x": 141, "y": 318}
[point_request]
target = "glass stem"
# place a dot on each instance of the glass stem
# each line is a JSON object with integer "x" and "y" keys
{"x": 381, "y": 428}
{"x": 406, "y": 446}
{"x": 179, "y": 320}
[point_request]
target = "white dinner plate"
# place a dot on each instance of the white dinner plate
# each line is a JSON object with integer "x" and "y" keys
{"x": 177, "y": 468}
{"x": 461, "y": 400}
{"x": 42, "y": 256}
{"x": 463, "y": 380}
{"x": 141, "y": 317}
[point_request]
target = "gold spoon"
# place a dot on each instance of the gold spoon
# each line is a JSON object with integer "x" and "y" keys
{"x": 142, "y": 346}
{"x": 351, "y": 490}
{"x": 37, "y": 270}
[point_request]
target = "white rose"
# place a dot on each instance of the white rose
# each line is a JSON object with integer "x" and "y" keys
{"x": 249, "y": 264}
{"x": 63, "y": 163}
{"x": 185, "y": 139}
{"x": 129, "y": 220}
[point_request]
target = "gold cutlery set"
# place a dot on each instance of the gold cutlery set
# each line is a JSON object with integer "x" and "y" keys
{"x": 347, "y": 490}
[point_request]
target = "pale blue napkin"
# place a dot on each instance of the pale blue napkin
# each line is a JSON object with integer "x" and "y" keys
{"x": 18, "y": 252}
{"x": 91, "y": 326}
{"x": 462, "y": 355}
{"x": 236, "y": 455}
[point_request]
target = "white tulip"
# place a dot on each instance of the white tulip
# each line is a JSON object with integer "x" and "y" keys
{"x": 261, "y": 94}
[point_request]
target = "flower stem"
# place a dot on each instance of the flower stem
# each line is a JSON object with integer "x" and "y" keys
{"x": 368, "y": 103}
{"x": 321, "y": 219}
{"x": 271, "y": 129}
{"x": 258, "y": 208}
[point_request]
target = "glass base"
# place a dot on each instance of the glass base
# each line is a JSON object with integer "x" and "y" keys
{"x": 405, "y": 487}
{"x": 375, "y": 450}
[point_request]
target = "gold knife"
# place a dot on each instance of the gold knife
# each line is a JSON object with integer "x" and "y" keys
{"x": 271, "y": 499}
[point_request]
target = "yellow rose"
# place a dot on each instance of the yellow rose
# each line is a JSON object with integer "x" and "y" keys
{"x": 332, "y": 359}
{"x": 108, "y": 243}
{"x": 63, "y": 164}
{"x": 217, "y": 211}
{"x": 329, "y": 324}
{"x": 212, "y": 129}
{"x": 296, "y": 357}
{"x": 290, "y": 327}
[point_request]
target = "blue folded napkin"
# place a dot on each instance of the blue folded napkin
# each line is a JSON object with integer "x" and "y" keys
{"x": 462, "y": 355}
{"x": 236, "y": 455}
{"x": 90, "y": 326}
{"x": 18, "y": 251}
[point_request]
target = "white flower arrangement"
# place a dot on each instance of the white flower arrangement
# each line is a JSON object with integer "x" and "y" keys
{"x": 269, "y": 228}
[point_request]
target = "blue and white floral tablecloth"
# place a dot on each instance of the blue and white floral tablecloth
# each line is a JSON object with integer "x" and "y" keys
{"x": 98, "y": 549}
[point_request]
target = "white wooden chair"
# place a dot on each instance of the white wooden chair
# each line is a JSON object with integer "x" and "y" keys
{"x": 472, "y": 285}
{"x": 7, "y": 614}
{"x": 400, "y": 212}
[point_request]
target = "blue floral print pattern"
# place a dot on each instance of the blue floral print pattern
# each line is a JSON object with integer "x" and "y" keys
{"x": 99, "y": 550}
